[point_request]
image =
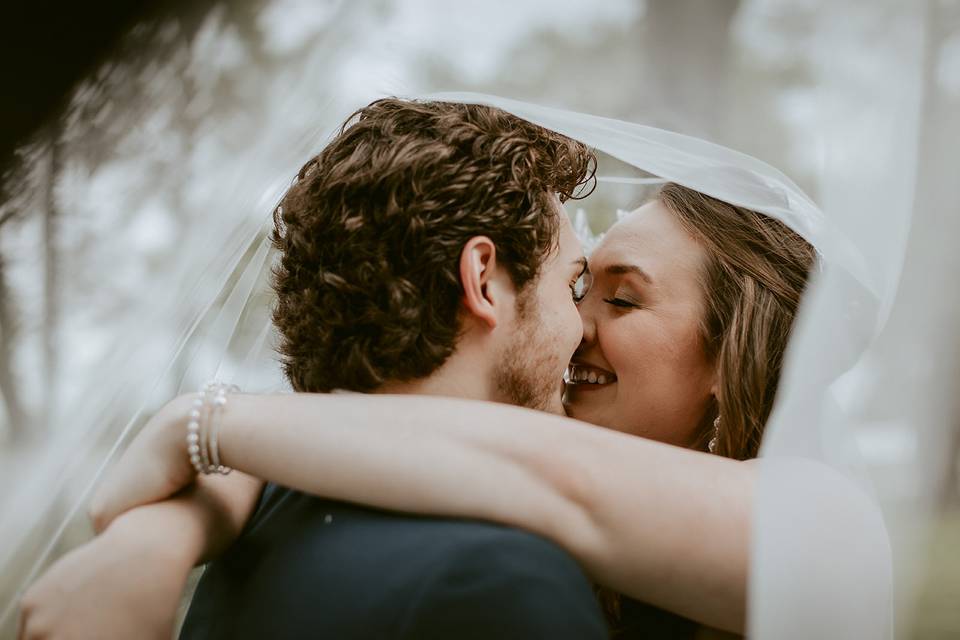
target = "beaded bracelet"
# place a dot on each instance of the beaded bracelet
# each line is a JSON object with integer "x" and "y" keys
{"x": 203, "y": 428}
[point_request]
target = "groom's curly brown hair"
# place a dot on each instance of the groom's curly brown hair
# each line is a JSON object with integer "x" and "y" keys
{"x": 368, "y": 288}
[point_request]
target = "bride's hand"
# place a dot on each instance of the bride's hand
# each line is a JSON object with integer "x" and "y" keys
{"x": 154, "y": 467}
{"x": 122, "y": 584}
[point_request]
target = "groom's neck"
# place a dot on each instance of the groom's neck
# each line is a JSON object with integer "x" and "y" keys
{"x": 459, "y": 377}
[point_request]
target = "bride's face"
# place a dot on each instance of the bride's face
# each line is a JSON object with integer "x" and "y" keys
{"x": 642, "y": 346}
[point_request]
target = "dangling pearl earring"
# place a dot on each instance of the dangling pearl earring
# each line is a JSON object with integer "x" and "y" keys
{"x": 712, "y": 445}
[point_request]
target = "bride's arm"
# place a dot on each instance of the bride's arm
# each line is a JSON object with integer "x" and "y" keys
{"x": 99, "y": 590}
{"x": 666, "y": 525}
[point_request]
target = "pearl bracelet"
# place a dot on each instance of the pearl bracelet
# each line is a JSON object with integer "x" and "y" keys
{"x": 203, "y": 428}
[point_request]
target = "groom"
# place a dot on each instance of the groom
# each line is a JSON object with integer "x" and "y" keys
{"x": 423, "y": 251}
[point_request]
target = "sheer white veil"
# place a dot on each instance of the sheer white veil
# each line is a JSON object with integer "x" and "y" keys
{"x": 828, "y": 502}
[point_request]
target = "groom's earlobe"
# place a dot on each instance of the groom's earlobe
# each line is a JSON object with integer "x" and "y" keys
{"x": 478, "y": 261}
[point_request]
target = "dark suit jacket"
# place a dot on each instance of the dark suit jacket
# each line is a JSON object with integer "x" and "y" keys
{"x": 312, "y": 568}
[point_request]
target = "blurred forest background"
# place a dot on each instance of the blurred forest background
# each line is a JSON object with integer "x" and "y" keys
{"x": 115, "y": 207}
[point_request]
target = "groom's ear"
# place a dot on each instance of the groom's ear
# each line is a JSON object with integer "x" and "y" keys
{"x": 484, "y": 289}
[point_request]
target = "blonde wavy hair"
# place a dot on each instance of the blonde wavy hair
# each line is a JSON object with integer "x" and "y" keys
{"x": 755, "y": 275}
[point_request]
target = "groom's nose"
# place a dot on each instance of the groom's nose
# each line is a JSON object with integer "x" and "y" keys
{"x": 587, "y": 316}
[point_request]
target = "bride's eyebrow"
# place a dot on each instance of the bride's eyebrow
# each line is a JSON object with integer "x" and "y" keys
{"x": 624, "y": 269}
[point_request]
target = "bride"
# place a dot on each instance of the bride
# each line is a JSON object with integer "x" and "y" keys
{"x": 685, "y": 323}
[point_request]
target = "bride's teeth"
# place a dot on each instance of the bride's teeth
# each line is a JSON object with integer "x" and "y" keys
{"x": 582, "y": 375}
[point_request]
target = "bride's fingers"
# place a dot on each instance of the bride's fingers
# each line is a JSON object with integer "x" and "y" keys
{"x": 153, "y": 468}
{"x": 103, "y": 506}
{"x": 132, "y": 484}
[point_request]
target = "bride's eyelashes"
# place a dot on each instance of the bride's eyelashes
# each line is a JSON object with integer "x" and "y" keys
{"x": 622, "y": 303}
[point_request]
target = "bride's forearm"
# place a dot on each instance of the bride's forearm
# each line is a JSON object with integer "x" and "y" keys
{"x": 667, "y": 525}
{"x": 195, "y": 525}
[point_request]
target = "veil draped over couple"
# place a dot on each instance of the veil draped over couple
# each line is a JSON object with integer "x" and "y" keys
{"x": 658, "y": 439}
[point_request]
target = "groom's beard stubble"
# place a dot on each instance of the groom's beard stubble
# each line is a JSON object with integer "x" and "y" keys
{"x": 529, "y": 372}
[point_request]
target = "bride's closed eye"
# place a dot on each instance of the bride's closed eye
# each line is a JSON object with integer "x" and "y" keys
{"x": 623, "y": 302}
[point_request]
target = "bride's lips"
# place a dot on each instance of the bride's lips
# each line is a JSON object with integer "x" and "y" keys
{"x": 584, "y": 376}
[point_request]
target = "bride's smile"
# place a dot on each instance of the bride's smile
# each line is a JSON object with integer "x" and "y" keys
{"x": 588, "y": 375}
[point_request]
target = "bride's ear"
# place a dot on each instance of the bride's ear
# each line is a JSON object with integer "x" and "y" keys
{"x": 481, "y": 279}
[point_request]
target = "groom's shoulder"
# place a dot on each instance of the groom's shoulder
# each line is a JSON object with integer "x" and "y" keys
{"x": 309, "y": 566}
{"x": 482, "y": 580}
{"x": 453, "y": 573}
{"x": 409, "y": 538}
{"x": 428, "y": 551}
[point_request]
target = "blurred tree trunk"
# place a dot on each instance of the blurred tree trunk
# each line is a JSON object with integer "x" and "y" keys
{"x": 51, "y": 280}
{"x": 16, "y": 416}
{"x": 687, "y": 47}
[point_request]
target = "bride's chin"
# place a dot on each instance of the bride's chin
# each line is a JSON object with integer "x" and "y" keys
{"x": 578, "y": 411}
{"x": 572, "y": 408}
